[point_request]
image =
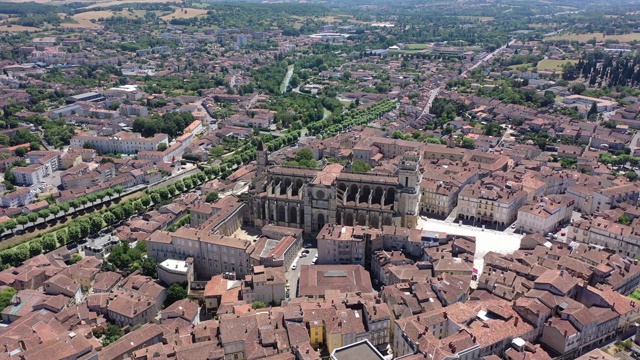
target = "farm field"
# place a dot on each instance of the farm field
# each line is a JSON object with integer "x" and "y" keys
{"x": 553, "y": 64}
{"x": 18, "y": 28}
{"x": 479, "y": 18}
{"x": 597, "y": 36}
{"x": 186, "y": 13}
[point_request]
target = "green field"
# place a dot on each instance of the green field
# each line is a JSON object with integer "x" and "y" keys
{"x": 553, "y": 64}
{"x": 416, "y": 46}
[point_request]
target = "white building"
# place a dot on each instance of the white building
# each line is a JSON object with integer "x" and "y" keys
{"x": 545, "y": 215}
{"x": 121, "y": 143}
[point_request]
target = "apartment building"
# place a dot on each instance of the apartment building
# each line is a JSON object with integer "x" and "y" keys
{"x": 545, "y": 215}
{"x": 608, "y": 234}
{"x": 338, "y": 244}
{"x": 29, "y": 175}
{"x": 212, "y": 254}
{"x": 265, "y": 284}
{"x": 494, "y": 200}
{"x": 128, "y": 309}
{"x": 18, "y": 197}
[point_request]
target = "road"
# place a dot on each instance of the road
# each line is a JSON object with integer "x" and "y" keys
{"x": 20, "y": 229}
{"x": 174, "y": 178}
{"x": 294, "y": 275}
{"x": 488, "y": 57}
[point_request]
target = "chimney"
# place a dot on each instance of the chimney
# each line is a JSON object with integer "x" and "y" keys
{"x": 445, "y": 315}
{"x": 565, "y": 334}
{"x": 417, "y": 348}
{"x": 474, "y": 339}
{"x": 515, "y": 322}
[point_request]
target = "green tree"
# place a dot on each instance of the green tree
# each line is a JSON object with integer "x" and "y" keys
{"x": 119, "y": 189}
{"x": 49, "y": 243}
{"x": 162, "y": 147}
{"x": 108, "y": 218}
{"x": 148, "y": 267}
{"x": 21, "y": 151}
{"x": 155, "y": 197}
{"x": 304, "y": 154}
{"x": 258, "y": 305}
{"x": 112, "y": 334}
{"x": 624, "y": 220}
{"x": 75, "y": 258}
{"x": 492, "y": 129}
{"x": 118, "y": 212}
{"x": 6, "y": 295}
{"x": 164, "y": 193}
{"x": 35, "y": 247}
{"x": 74, "y": 233}
{"x": 44, "y": 214}
{"x": 145, "y": 200}
{"x": 137, "y": 206}
{"x": 577, "y": 88}
{"x": 360, "y": 166}
{"x": 631, "y": 175}
{"x": 32, "y": 217}
{"x": 176, "y": 292}
{"x": 468, "y": 143}
{"x": 211, "y": 197}
{"x": 10, "y": 225}
{"x": 95, "y": 222}
{"x": 55, "y": 209}
{"x": 23, "y": 220}
{"x": 179, "y": 186}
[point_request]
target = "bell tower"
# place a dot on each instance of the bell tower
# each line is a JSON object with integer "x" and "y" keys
{"x": 262, "y": 157}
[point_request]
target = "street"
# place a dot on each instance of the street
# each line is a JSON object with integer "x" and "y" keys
{"x": 294, "y": 275}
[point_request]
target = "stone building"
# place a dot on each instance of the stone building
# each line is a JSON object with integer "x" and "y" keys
{"x": 310, "y": 198}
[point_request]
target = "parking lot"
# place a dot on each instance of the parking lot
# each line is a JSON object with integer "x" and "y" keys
{"x": 294, "y": 275}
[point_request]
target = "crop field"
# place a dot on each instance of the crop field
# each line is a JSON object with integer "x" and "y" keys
{"x": 597, "y": 36}
{"x": 553, "y": 64}
{"x": 186, "y": 13}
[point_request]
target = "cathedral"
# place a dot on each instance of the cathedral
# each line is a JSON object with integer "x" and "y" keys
{"x": 309, "y": 198}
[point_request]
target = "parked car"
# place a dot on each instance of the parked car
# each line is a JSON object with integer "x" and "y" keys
{"x": 307, "y": 245}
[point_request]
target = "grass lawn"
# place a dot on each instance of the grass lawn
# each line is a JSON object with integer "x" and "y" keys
{"x": 416, "y": 46}
{"x": 635, "y": 295}
{"x": 553, "y": 64}
{"x": 528, "y": 65}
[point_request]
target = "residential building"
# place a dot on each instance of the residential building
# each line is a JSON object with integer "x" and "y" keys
{"x": 315, "y": 280}
{"x": 494, "y": 200}
{"x": 212, "y": 254}
{"x": 339, "y": 244}
{"x": 265, "y": 284}
{"x": 543, "y": 216}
